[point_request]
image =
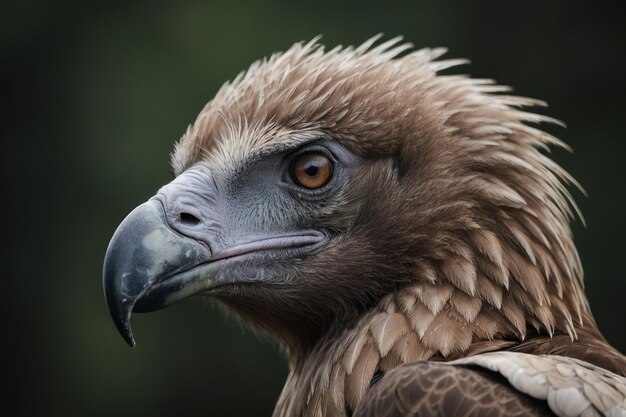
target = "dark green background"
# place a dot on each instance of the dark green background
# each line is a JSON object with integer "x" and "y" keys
{"x": 96, "y": 93}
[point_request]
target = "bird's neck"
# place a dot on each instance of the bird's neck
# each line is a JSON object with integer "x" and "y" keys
{"x": 491, "y": 298}
{"x": 331, "y": 379}
{"x": 421, "y": 322}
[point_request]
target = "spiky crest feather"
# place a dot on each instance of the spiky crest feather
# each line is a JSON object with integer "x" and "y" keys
{"x": 505, "y": 261}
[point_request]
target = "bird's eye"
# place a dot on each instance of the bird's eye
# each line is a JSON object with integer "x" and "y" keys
{"x": 312, "y": 170}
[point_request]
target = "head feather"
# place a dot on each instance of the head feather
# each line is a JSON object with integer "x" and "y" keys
{"x": 486, "y": 212}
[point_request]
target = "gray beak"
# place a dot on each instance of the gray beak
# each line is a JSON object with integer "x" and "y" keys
{"x": 143, "y": 252}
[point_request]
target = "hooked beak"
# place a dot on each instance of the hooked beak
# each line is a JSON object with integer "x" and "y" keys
{"x": 144, "y": 250}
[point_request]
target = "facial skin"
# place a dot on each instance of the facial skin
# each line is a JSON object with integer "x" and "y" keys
{"x": 257, "y": 235}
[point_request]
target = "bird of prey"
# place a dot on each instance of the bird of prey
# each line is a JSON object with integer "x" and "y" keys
{"x": 399, "y": 233}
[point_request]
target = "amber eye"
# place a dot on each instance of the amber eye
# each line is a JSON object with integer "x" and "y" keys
{"x": 312, "y": 170}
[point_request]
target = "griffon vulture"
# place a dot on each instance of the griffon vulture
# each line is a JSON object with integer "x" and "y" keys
{"x": 399, "y": 233}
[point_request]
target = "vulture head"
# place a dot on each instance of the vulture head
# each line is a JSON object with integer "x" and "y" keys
{"x": 364, "y": 212}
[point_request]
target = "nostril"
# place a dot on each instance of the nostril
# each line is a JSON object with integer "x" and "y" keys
{"x": 189, "y": 219}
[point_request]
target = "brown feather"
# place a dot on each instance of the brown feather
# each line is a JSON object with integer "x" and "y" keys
{"x": 468, "y": 307}
{"x": 431, "y": 389}
{"x": 461, "y": 273}
{"x": 358, "y": 381}
{"x": 386, "y": 329}
{"x": 453, "y": 239}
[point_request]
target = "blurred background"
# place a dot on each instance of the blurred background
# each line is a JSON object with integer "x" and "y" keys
{"x": 95, "y": 94}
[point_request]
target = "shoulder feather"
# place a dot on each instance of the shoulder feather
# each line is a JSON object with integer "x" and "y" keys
{"x": 570, "y": 386}
{"x": 429, "y": 389}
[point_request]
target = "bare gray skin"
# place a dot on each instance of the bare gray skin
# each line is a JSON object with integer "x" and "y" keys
{"x": 204, "y": 230}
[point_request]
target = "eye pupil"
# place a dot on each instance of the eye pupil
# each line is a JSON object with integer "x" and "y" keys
{"x": 312, "y": 170}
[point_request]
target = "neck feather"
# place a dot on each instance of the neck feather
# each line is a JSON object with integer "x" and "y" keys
{"x": 483, "y": 300}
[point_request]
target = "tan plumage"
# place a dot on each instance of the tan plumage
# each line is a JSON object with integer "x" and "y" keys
{"x": 493, "y": 263}
{"x": 571, "y": 387}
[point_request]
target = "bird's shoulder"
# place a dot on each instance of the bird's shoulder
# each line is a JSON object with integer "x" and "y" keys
{"x": 497, "y": 384}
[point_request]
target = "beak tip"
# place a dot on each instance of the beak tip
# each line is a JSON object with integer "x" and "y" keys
{"x": 123, "y": 326}
{"x": 131, "y": 341}
{"x": 126, "y": 332}
{"x": 120, "y": 313}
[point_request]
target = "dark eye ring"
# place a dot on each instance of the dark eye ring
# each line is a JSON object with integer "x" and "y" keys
{"x": 312, "y": 170}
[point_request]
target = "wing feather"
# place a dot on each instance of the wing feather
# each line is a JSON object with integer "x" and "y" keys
{"x": 497, "y": 384}
{"x": 572, "y": 387}
{"x": 429, "y": 389}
